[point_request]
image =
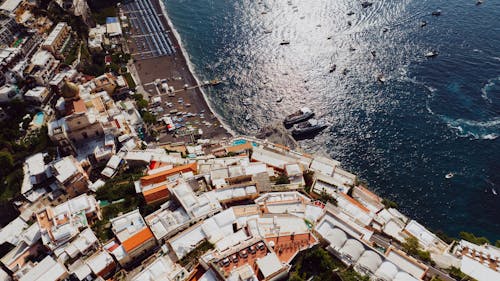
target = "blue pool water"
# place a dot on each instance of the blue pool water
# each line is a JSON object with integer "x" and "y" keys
{"x": 38, "y": 120}
{"x": 431, "y": 117}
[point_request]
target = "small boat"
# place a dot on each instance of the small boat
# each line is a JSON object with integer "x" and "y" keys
{"x": 423, "y": 23}
{"x": 248, "y": 117}
{"x": 385, "y": 29}
{"x": 431, "y": 54}
{"x": 349, "y": 23}
{"x": 333, "y": 68}
{"x": 449, "y": 175}
{"x": 329, "y": 37}
{"x": 299, "y": 116}
{"x": 345, "y": 71}
{"x": 352, "y": 49}
{"x": 306, "y": 128}
{"x": 267, "y": 31}
{"x": 350, "y": 13}
{"x": 215, "y": 82}
{"x": 366, "y": 4}
{"x": 436, "y": 13}
{"x": 381, "y": 78}
{"x": 279, "y": 99}
{"x": 374, "y": 53}
{"x": 479, "y": 2}
{"x": 285, "y": 42}
{"x": 494, "y": 191}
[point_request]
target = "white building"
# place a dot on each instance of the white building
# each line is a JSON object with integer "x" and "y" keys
{"x": 48, "y": 270}
{"x": 481, "y": 262}
{"x": 162, "y": 269}
{"x": 43, "y": 65}
{"x": 37, "y": 95}
{"x": 96, "y": 38}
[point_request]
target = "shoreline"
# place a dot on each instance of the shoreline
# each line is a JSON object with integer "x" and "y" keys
{"x": 190, "y": 67}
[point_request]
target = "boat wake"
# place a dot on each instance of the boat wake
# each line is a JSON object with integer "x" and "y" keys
{"x": 486, "y": 130}
{"x": 490, "y": 86}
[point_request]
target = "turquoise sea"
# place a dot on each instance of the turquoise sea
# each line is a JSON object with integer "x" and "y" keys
{"x": 431, "y": 116}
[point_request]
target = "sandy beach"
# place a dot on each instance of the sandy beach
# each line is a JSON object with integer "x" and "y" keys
{"x": 175, "y": 70}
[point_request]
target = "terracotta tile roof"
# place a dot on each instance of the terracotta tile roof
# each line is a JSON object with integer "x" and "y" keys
{"x": 162, "y": 176}
{"x": 79, "y": 106}
{"x": 155, "y": 194}
{"x": 137, "y": 239}
{"x": 240, "y": 147}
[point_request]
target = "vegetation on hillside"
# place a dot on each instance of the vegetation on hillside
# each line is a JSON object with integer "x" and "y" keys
{"x": 317, "y": 264}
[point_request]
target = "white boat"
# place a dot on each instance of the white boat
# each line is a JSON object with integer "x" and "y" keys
{"x": 449, "y": 175}
{"x": 431, "y": 54}
{"x": 494, "y": 191}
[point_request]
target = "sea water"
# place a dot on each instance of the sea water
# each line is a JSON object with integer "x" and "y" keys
{"x": 430, "y": 117}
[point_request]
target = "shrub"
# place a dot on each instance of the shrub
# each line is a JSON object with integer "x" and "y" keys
{"x": 473, "y": 238}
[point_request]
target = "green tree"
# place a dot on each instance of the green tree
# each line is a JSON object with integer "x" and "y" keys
{"x": 473, "y": 238}
{"x": 282, "y": 179}
{"x": 327, "y": 198}
{"x": 389, "y": 204}
{"x": 294, "y": 276}
{"x": 6, "y": 162}
{"x": 148, "y": 118}
{"x": 410, "y": 245}
{"x": 142, "y": 104}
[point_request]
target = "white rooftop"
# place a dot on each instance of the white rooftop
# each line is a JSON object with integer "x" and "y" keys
{"x": 127, "y": 225}
{"x": 10, "y": 5}
{"x": 65, "y": 167}
{"x": 269, "y": 264}
{"x": 48, "y": 270}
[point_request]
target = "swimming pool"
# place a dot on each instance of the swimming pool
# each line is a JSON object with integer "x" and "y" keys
{"x": 38, "y": 119}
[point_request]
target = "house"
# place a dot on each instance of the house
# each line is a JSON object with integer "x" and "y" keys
{"x": 70, "y": 175}
{"x": 48, "y": 270}
{"x": 36, "y": 172}
{"x": 154, "y": 187}
{"x": 42, "y": 67}
{"x": 57, "y": 39}
{"x": 162, "y": 268}
{"x": 134, "y": 235}
{"x": 480, "y": 262}
{"x": 38, "y": 95}
{"x": 59, "y": 224}
{"x": 8, "y": 25}
{"x": 96, "y": 38}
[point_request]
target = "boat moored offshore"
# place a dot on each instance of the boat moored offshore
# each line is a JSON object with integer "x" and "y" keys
{"x": 299, "y": 116}
{"x": 307, "y": 128}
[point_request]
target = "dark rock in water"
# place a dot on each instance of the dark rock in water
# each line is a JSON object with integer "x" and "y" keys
{"x": 277, "y": 134}
{"x": 436, "y": 13}
{"x": 366, "y": 4}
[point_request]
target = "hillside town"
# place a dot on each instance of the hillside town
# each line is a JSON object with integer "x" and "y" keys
{"x": 112, "y": 173}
